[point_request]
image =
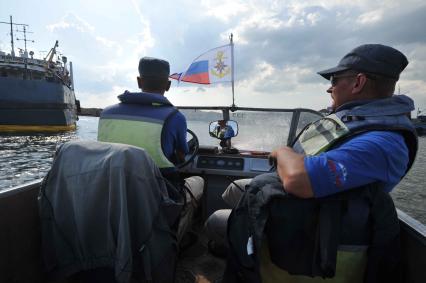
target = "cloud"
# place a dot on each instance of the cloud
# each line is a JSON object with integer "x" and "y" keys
{"x": 110, "y": 44}
{"x": 108, "y": 97}
{"x": 312, "y": 37}
{"x": 145, "y": 37}
{"x": 370, "y": 17}
{"x": 103, "y": 62}
{"x": 279, "y": 45}
{"x": 3, "y": 47}
{"x": 224, "y": 10}
{"x": 71, "y": 21}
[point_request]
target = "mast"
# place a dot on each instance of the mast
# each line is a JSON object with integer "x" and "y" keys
{"x": 232, "y": 71}
{"x": 11, "y": 37}
{"x": 24, "y": 31}
{"x": 71, "y": 76}
{"x": 11, "y": 23}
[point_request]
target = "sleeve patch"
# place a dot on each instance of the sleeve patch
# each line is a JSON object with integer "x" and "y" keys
{"x": 338, "y": 172}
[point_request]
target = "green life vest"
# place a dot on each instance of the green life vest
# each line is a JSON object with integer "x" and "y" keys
{"x": 320, "y": 135}
{"x": 139, "y": 131}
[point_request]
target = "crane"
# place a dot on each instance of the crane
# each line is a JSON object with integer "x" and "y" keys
{"x": 52, "y": 52}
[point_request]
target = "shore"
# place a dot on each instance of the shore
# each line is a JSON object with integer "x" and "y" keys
{"x": 94, "y": 112}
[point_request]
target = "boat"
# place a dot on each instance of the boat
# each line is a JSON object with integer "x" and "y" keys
{"x": 36, "y": 95}
{"x": 20, "y": 256}
{"x": 420, "y": 124}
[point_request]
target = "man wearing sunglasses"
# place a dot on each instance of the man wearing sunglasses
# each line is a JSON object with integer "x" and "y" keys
{"x": 380, "y": 139}
{"x": 355, "y": 156}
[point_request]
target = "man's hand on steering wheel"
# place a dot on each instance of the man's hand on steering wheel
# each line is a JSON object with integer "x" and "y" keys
{"x": 193, "y": 146}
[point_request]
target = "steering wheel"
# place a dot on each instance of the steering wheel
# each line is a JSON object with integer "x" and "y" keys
{"x": 193, "y": 145}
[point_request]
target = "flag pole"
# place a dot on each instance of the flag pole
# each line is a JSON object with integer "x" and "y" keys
{"x": 232, "y": 71}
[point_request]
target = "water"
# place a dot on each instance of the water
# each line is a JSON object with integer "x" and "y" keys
{"x": 25, "y": 158}
{"x": 410, "y": 194}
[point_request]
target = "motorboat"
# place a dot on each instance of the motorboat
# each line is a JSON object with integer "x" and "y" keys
{"x": 243, "y": 156}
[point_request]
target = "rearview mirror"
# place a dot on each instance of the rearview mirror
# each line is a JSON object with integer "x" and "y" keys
{"x": 223, "y": 130}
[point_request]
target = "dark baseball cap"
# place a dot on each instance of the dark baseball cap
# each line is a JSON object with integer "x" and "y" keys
{"x": 150, "y": 67}
{"x": 371, "y": 58}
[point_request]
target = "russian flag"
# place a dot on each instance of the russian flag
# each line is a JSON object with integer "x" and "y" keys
{"x": 198, "y": 72}
{"x": 213, "y": 66}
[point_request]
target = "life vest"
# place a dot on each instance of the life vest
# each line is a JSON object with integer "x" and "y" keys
{"x": 326, "y": 237}
{"x": 355, "y": 118}
{"x": 131, "y": 122}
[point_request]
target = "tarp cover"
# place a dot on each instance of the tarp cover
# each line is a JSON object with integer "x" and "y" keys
{"x": 105, "y": 204}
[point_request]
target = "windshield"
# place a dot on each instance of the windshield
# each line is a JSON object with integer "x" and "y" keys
{"x": 258, "y": 129}
{"x": 262, "y": 131}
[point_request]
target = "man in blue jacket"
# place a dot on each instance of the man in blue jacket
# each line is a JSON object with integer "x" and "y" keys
{"x": 223, "y": 131}
{"x": 148, "y": 120}
{"x": 368, "y": 142}
{"x": 362, "y": 87}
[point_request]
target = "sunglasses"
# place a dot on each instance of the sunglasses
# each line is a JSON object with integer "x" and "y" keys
{"x": 334, "y": 79}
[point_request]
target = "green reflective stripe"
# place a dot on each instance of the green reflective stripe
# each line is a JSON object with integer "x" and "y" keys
{"x": 350, "y": 268}
{"x": 135, "y": 133}
{"x": 320, "y": 135}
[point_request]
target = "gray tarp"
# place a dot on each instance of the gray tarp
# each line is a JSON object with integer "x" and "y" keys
{"x": 104, "y": 204}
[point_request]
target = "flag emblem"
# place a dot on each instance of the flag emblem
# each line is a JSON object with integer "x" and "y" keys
{"x": 220, "y": 69}
{"x": 214, "y": 66}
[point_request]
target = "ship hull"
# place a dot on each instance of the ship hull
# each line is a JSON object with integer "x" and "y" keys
{"x": 36, "y": 105}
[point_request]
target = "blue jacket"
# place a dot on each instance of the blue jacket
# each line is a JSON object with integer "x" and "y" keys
{"x": 304, "y": 235}
{"x": 379, "y": 145}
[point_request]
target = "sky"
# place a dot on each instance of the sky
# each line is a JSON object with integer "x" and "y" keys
{"x": 279, "y": 45}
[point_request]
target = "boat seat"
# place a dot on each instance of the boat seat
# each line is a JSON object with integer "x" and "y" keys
{"x": 106, "y": 213}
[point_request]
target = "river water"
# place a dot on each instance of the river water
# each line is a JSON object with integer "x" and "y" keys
{"x": 25, "y": 158}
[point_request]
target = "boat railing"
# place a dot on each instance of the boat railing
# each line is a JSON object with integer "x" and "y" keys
{"x": 19, "y": 189}
{"x": 413, "y": 227}
{"x": 22, "y": 60}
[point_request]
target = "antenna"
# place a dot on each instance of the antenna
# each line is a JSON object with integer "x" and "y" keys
{"x": 24, "y": 31}
{"x": 233, "y": 107}
{"x": 11, "y": 23}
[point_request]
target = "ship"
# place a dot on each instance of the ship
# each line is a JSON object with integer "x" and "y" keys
{"x": 36, "y": 95}
{"x": 420, "y": 124}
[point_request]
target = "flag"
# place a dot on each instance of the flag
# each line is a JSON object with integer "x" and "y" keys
{"x": 214, "y": 66}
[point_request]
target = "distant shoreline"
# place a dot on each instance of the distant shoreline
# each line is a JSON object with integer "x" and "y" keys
{"x": 94, "y": 112}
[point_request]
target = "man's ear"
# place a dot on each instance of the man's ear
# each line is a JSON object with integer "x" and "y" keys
{"x": 168, "y": 85}
{"x": 359, "y": 83}
{"x": 140, "y": 82}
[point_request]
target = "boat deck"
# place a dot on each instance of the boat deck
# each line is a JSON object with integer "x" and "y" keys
{"x": 196, "y": 263}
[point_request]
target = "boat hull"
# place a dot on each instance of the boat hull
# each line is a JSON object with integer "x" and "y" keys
{"x": 21, "y": 251}
{"x": 36, "y": 105}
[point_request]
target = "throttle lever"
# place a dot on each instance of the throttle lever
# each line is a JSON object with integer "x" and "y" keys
{"x": 273, "y": 162}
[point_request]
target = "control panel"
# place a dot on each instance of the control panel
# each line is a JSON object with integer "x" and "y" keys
{"x": 243, "y": 166}
{"x": 223, "y": 163}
